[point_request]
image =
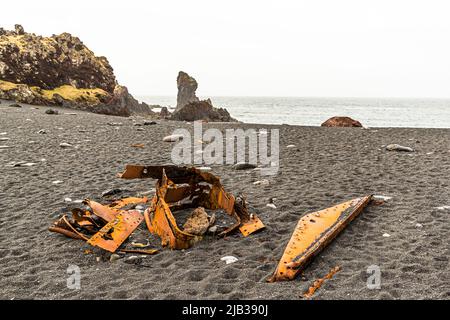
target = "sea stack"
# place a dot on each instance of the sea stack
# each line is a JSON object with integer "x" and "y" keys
{"x": 191, "y": 108}
{"x": 187, "y": 86}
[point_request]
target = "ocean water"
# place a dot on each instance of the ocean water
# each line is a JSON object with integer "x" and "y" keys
{"x": 371, "y": 112}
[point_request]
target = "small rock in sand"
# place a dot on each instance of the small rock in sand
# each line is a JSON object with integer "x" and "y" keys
{"x": 397, "y": 147}
{"x": 4, "y": 139}
{"x": 243, "y": 166}
{"x": 42, "y": 131}
{"x": 173, "y": 138}
{"x": 263, "y": 182}
{"x": 111, "y": 192}
{"x": 381, "y": 198}
{"x": 5, "y": 133}
{"x": 114, "y": 257}
{"x": 115, "y": 124}
{"x": 386, "y": 235}
{"x": 51, "y": 111}
{"x": 65, "y": 145}
{"x": 4, "y": 147}
{"x": 443, "y": 208}
{"x": 271, "y": 205}
{"x": 229, "y": 259}
{"x": 57, "y": 182}
{"x": 419, "y": 225}
{"x": 15, "y": 105}
{"x": 67, "y": 200}
{"x": 149, "y": 123}
{"x": 140, "y": 129}
{"x": 213, "y": 229}
{"x": 290, "y": 146}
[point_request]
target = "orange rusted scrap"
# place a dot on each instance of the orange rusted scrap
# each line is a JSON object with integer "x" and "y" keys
{"x": 314, "y": 232}
{"x": 115, "y": 232}
{"x": 188, "y": 187}
{"x": 127, "y": 201}
{"x": 319, "y": 282}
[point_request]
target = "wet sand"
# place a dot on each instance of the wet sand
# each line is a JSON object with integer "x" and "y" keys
{"x": 327, "y": 166}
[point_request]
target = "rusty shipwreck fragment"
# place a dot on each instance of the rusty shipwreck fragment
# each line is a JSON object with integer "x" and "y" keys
{"x": 180, "y": 188}
{"x": 313, "y": 233}
{"x": 104, "y": 226}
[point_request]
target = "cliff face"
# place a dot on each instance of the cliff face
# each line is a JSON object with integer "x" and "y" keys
{"x": 60, "y": 70}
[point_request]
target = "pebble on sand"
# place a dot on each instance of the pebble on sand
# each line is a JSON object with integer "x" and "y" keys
{"x": 4, "y": 139}
{"x": 173, "y": 138}
{"x": 57, "y": 182}
{"x": 15, "y": 105}
{"x": 229, "y": 259}
{"x": 65, "y": 145}
{"x": 243, "y": 166}
{"x": 271, "y": 205}
{"x": 397, "y": 147}
{"x": 290, "y": 146}
{"x": 51, "y": 111}
{"x": 386, "y": 235}
{"x": 4, "y": 147}
{"x": 443, "y": 208}
{"x": 42, "y": 131}
{"x": 263, "y": 182}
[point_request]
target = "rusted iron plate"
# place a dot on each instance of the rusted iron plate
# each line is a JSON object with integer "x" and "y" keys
{"x": 250, "y": 226}
{"x": 127, "y": 201}
{"x": 115, "y": 232}
{"x": 105, "y": 212}
{"x": 313, "y": 233}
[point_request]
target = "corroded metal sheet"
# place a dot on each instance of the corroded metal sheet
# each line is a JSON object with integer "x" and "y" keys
{"x": 160, "y": 218}
{"x": 313, "y": 232}
{"x": 115, "y": 232}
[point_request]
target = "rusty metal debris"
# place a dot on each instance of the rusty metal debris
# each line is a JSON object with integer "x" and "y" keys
{"x": 314, "y": 232}
{"x": 103, "y": 226}
{"x": 319, "y": 282}
{"x": 177, "y": 188}
{"x": 182, "y": 188}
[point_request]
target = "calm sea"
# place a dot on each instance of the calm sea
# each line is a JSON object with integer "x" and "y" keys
{"x": 371, "y": 112}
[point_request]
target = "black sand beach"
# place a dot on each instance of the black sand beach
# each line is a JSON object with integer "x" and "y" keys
{"x": 327, "y": 166}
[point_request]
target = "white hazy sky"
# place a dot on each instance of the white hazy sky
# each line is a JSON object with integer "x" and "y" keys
{"x": 349, "y": 48}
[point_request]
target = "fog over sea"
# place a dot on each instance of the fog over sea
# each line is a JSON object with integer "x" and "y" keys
{"x": 371, "y": 112}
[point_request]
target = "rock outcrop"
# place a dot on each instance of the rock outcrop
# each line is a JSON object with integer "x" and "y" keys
{"x": 186, "y": 90}
{"x": 202, "y": 110}
{"x": 60, "y": 70}
{"x": 191, "y": 108}
{"x": 341, "y": 122}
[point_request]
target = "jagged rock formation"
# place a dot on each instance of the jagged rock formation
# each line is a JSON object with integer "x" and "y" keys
{"x": 60, "y": 70}
{"x": 341, "y": 122}
{"x": 202, "y": 110}
{"x": 190, "y": 108}
{"x": 186, "y": 90}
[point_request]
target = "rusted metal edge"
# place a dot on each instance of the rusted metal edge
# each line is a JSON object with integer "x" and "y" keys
{"x": 313, "y": 233}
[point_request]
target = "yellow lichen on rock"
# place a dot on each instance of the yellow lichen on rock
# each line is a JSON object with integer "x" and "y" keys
{"x": 6, "y": 85}
{"x": 71, "y": 93}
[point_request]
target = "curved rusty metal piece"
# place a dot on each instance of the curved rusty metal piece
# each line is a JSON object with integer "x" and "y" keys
{"x": 115, "y": 232}
{"x": 159, "y": 217}
{"x": 313, "y": 233}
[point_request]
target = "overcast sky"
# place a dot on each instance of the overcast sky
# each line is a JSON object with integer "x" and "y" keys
{"x": 345, "y": 48}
